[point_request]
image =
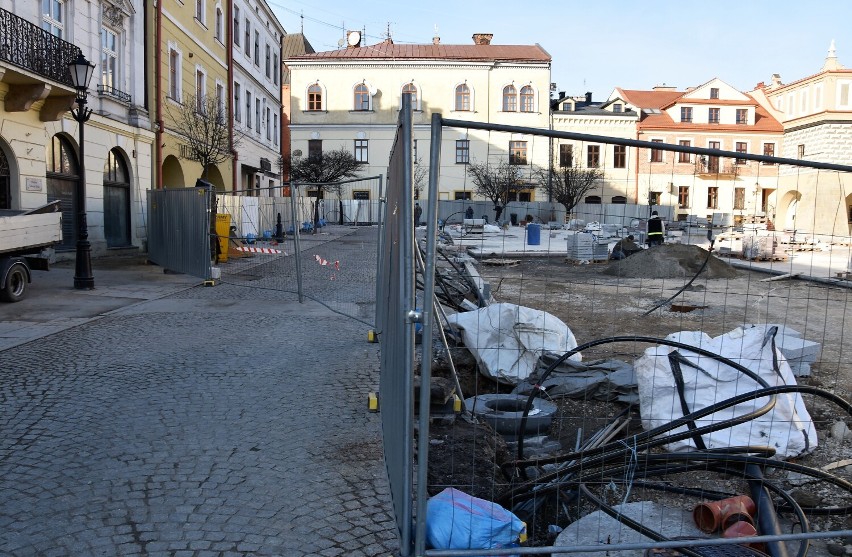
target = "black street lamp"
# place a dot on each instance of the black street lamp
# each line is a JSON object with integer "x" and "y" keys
{"x": 81, "y": 73}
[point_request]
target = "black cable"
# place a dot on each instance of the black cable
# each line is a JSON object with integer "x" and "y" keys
{"x": 685, "y": 286}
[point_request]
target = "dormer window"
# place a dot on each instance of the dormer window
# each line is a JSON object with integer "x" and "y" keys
{"x": 742, "y": 116}
{"x": 618, "y": 107}
{"x": 686, "y": 114}
{"x": 714, "y": 92}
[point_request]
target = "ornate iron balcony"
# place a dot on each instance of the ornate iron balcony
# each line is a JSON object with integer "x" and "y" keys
{"x": 32, "y": 48}
{"x": 113, "y": 92}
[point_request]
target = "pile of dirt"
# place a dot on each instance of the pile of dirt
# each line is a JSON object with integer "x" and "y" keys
{"x": 670, "y": 261}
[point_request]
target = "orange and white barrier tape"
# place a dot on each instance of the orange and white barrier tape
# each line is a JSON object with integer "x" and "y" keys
{"x": 259, "y": 250}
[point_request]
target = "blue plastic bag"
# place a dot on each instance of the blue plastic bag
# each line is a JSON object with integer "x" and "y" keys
{"x": 456, "y": 520}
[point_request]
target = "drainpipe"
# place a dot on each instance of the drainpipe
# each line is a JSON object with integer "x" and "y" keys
{"x": 636, "y": 171}
{"x": 158, "y": 74}
{"x": 229, "y": 56}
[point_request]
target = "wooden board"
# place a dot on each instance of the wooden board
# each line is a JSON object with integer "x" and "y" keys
{"x": 22, "y": 232}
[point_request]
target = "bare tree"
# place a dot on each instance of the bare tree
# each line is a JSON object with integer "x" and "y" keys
{"x": 203, "y": 126}
{"x": 568, "y": 185}
{"x": 497, "y": 182}
{"x": 322, "y": 171}
{"x": 420, "y": 177}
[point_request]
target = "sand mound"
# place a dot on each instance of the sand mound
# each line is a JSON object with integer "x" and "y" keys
{"x": 670, "y": 261}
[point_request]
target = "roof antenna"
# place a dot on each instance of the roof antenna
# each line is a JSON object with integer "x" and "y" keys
{"x": 302, "y": 22}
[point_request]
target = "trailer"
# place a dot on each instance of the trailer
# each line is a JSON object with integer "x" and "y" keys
{"x": 26, "y": 242}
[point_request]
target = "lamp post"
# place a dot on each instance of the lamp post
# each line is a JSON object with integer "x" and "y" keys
{"x": 81, "y": 73}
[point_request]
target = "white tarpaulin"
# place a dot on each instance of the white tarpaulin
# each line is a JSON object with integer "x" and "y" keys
{"x": 787, "y": 427}
{"x": 507, "y": 339}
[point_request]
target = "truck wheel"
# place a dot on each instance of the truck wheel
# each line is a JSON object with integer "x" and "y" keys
{"x": 15, "y": 288}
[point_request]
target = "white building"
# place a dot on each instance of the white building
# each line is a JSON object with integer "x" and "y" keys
{"x": 351, "y": 98}
{"x": 256, "y": 93}
{"x": 39, "y": 138}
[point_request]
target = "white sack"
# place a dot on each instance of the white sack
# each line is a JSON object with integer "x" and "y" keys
{"x": 788, "y": 427}
{"x": 508, "y": 339}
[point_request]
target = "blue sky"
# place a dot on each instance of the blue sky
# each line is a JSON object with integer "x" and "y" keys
{"x": 597, "y": 46}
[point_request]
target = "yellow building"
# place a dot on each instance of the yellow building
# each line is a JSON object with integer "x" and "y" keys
{"x": 191, "y": 61}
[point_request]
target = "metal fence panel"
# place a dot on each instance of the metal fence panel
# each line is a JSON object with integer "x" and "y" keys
{"x": 179, "y": 230}
{"x": 396, "y": 273}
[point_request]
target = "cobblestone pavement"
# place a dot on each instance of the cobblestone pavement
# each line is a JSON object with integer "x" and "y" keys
{"x": 217, "y": 421}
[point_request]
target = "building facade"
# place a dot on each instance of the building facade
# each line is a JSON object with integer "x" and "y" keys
{"x": 190, "y": 64}
{"x": 39, "y": 140}
{"x": 714, "y": 116}
{"x": 256, "y": 114}
{"x": 816, "y": 115}
{"x": 351, "y": 98}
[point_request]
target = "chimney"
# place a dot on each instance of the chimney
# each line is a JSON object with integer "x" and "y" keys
{"x": 776, "y": 80}
{"x": 561, "y": 94}
{"x": 436, "y": 40}
{"x": 760, "y": 85}
{"x": 588, "y": 96}
{"x": 482, "y": 38}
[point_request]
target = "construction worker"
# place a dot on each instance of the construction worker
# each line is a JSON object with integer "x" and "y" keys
{"x": 655, "y": 230}
{"x": 624, "y": 248}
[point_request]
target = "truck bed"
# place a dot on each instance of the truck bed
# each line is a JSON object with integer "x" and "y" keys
{"x": 29, "y": 231}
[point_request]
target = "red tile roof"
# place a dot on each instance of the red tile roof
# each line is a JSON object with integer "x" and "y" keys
{"x": 516, "y": 53}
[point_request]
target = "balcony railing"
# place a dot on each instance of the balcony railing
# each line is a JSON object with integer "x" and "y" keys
{"x": 114, "y": 93}
{"x": 714, "y": 166}
{"x": 32, "y": 48}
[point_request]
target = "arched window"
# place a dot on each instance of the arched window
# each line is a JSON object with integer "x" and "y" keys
{"x": 510, "y": 99}
{"x": 619, "y": 200}
{"x": 362, "y": 97}
{"x": 463, "y": 97}
{"x": 527, "y": 99}
{"x": 595, "y": 199}
{"x": 315, "y": 97}
{"x": 116, "y": 200}
{"x": 411, "y": 89}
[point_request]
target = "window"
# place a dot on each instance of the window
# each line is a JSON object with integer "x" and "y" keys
{"x": 461, "y": 195}
{"x": 248, "y": 109}
{"x": 803, "y": 97}
{"x": 220, "y": 100}
{"x": 714, "y": 92}
{"x": 593, "y": 156}
{"x": 593, "y": 199}
{"x": 200, "y": 78}
{"x": 686, "y": 114}
{"x": 462, "y": 151}
{"x": 566, "y": 155}
{"x": 174, "y": 74}
{"x": 742, "y": 116}
{"x": 801, "y": 151}
{"x": 517, "y": 152}
{"x": 741, "y": 147}
{"x": 618, "y": 107}
{"x": 653, "y": 197}
{"x": 218, "y": 29}
{"x": 656, "y": 154}
{"x": 713, "y": 162}
{"x": 199, "y": 10}
{"x": 713, "y": 197}
{"x": 109, "y": 58}
{"x": 463, "y": 98}
{"x": 236, "y": 26}
{"x": 739, "y": 198}
{"x": 527, "y": 99}
{"x": 257, "y": 48}
{"x": 247, "y": 42}
{"x": 237, "y": 105}
{"x": 275, "y": 130}
{"x": 683, "y": 197}
{"x": 510, "y": 99}
{"x": 314, "y": 148}
{"x": 275, "y": 67}
{"x": 681, "y": 156}
{"x": 361, "y": 150}
{"x": 52, "y": 19}
{"x": 362, "y": 97}
{"x": 268, "y": 126}
{"x": 268, "y": 62}
{"x": 769, "y": 151}
{"x": 843, "y": 96}
{"x": 411, "y": 89}
{"x": 315, "y": 97}
{"x": 257, "y": 114}
{"x": 712, "y": 115}
{"x": 619, "y": 159}
{"x": 619, "y": 200}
